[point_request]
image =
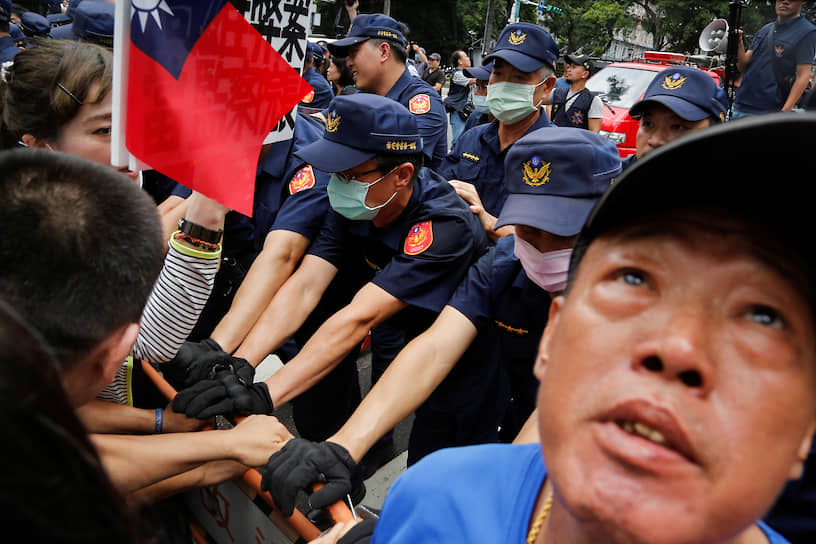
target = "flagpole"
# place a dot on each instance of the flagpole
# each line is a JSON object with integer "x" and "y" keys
{"x": 121, "y": 48}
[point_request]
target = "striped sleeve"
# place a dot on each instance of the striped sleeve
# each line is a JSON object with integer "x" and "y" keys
{"x": 171, "y": 312}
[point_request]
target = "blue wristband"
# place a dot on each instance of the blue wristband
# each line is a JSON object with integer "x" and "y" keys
{"x": 159, "y": 420}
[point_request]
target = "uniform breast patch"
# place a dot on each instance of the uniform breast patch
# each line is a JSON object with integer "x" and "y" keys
{"x": 303, "y": 180}
{"x": 419, "y": 238}
{"x": 419, "y": 104}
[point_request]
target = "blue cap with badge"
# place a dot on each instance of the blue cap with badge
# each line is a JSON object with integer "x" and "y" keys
{"x": 61, "y": 19}
{"x": 314, "y": 50}
{"x": 360, "y": 126}
{"x": 526, "y": 46}
{"x": 5, "y": 10}
{"x": 92, "y": 23}
{"x": 689, "y": 92}
{"x": 34, "y": 25}
{"x": 555, "y": 175}
{"x": 367, "y": 26}
{"x": 479, "y": 72}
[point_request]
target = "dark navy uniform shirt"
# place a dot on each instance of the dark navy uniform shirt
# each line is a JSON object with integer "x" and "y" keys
{"x": 7, "y": 48}
{"x": 510, "y": 312}
{"x": 794, "y": 43}
{"x": 478, "y": 159}
{"x": 420, "y": 258}
{"x": 476, "y": 118}
{"x": 289, "y": 194}
{"x": 424, "y": 102}
{"x": 322, "y": 94}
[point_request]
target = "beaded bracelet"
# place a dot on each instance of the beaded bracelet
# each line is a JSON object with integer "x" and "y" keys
{"x": 201, "y": 244}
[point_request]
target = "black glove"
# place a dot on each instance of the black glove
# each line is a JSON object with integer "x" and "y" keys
{"x": 228, "y": 392}
{"x": 194, "y": 362}
{"x": 299, "y": 464}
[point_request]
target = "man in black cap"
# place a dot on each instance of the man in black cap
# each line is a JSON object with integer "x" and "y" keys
{"x": 520, "y": 82}
{"x": 576, "y": 106}
{"x": 433, "y": 76}
{"x": 396, "y": 228}
{"x": 375, "y": 53}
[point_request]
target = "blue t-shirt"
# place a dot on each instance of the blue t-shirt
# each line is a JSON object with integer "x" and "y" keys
{"x": 794, "y": 43}
{"x": 473, "y": 494}
{"x": 478, "y": 158}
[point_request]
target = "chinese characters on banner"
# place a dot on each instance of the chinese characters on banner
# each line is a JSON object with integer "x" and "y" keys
{"x": 284, "y": 24}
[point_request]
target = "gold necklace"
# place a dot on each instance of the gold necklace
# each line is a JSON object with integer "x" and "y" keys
{"x": 540, "y": 519}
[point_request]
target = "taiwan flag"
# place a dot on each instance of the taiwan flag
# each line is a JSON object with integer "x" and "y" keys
{"x": 203, "y": 91}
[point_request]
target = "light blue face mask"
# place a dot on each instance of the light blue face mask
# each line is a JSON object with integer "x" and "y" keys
{"x": 511, "y": 102}
{"x": 347, "y": 197}
{"x": 480, "y": 103}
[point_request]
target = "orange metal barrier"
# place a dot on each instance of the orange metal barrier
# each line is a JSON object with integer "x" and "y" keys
{"x": 305, "y": 528}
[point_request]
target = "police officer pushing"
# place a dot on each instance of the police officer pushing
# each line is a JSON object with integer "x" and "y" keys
{"x": 521, "y": 79}
{"x": 396, "y": 228}
{"x": 375, "y": 53}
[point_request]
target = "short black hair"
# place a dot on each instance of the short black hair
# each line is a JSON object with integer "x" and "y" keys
{"x": 397, "y": 48}
{"x": 82, "y": 248}
{"x": 386, "y": 163}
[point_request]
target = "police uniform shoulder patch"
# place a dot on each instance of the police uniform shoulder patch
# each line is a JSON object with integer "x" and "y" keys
{"x": 304, "y": 179}
{"x": 419, "y": 238}
{"x": 308, "y": 98}
{"x": 420, "y": 104}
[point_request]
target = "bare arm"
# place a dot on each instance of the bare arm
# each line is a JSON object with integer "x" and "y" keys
{"x": 332, "y": 341}
{"x": 410, "y": 379}
{"x": 170, "y": 211}
{"x": 438, "y": 86}
{"x": 595, "y": 125}
{"x": 288, "y": 310}
{"x": 799, "y": 86}
{"x": 470, "y": 195}
{"x": 100, "y": 416}
{"x": 134, "y": 462}
{"x": 743, "y": 56}
{"x": 211, "y": 473}
{"x": 282, "y": 251}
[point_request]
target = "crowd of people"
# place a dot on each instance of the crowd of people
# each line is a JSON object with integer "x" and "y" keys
{"x": 595, "y": 349}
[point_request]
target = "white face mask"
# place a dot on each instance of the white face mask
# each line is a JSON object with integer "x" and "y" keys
{"x": 480, "y": 103}
{"x": 547, "y": 270}
{"x": 512, "y": 102}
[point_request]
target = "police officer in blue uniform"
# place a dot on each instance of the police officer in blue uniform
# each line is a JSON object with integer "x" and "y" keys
{"x": 382, "y": 36}
{"x": 395, "y": 227}
{"x": 34, "y": 25}
{"x": 7, "y": 46}
{"x": 524, "y": 52}
{"x": 776, "y": 69}
{"x": 92, "y": 23}
{"x": 321, "y": 94}
{"x": 481, "y": 113}
{"x": 472, "y": 371}
{"x": 679, "y": 100}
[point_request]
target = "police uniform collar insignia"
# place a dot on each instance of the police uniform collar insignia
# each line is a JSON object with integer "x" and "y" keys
{"x": 333, "y": 121}
{"x": 674, "y": 81}
{"x": 536, "y": 172}
{"x": 517, "y": 37}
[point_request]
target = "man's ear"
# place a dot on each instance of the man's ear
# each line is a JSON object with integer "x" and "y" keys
{"x": 116, "y": 349}
{"x": 29, "y": 140}
{"x": 546, "y": 339}
{"x": 404, "y": 172}
{"x": 804, "y": 450}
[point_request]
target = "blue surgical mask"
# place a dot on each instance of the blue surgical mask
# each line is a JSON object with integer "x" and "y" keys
{"x": 511, "y": 102}
{"x": 348, "y": 198}
{"x": 480, "y": 103}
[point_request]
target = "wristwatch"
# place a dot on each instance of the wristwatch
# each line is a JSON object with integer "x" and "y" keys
{"x": 194, "y": 230}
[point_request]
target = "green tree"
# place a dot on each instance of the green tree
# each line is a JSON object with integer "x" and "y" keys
{"x": 587, "y": 25}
